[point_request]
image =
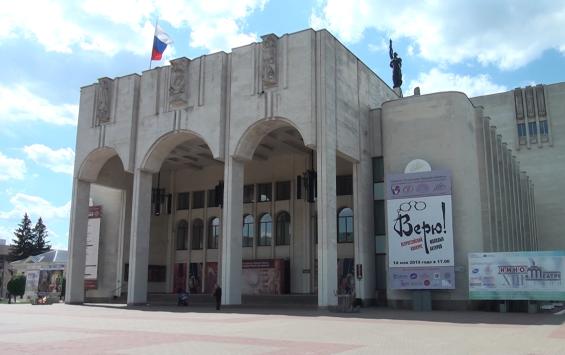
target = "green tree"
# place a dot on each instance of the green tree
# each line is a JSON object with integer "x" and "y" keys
{"x": 40, "y": 243}
{"x": 23, "y": 244}
{"x": 17, "y": 286}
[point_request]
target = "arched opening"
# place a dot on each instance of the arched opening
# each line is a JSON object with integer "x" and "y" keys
{"x": 103, "y": 190}
{"x": 279, "y": 187}
{"x": 185, "y": 229}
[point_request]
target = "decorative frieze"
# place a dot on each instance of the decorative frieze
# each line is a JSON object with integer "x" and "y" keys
{"x": 530, "y": 109}
{"x": 103, "y": 100}
{"x": 519, "y": 104}
{"x": 178, "y": 92}
{"x": 269, "y": 63}
{"x": 540, "y": 98}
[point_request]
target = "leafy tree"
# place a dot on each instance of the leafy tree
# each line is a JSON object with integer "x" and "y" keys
{"x": 40, "y": 243}
{"x": 17, "y": 286}
{"x": 23, "y": 244}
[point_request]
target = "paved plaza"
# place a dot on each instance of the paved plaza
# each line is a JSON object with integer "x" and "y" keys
{"x": 116, "y": 329}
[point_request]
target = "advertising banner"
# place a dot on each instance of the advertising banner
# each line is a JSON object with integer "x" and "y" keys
{"x": 92, "y": 242}
{"x": 517, "y": 276}
{"x": 420, "y": 231}
{"x": 32, "y": 281}
{"x": 50, "y": 282}
{"x": 263, "y": 277}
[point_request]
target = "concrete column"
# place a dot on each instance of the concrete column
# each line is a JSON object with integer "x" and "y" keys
{"x": 74, "y": 293}
{"x": 139, "y": 242}
{"x": 363, "y": 227}
{"x": 327, "y": 230}
{"x": 326, "y": 141}
{"x": 232, "y": 232}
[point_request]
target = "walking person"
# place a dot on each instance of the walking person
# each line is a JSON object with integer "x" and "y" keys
{"x": 218, "y": 294}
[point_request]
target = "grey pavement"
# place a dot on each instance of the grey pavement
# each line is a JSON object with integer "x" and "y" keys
{"x": 117, "y": 329}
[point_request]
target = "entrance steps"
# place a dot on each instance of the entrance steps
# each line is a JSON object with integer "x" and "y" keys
{"x": 290, "y": 300}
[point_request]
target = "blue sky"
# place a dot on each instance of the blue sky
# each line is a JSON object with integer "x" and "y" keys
{"x": 51, "y": 48}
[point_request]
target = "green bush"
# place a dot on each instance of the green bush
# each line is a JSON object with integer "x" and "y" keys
{"x": 17, "y": 286}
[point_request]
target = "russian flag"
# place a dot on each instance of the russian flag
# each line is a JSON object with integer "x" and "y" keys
{"x": 160, "y": 42}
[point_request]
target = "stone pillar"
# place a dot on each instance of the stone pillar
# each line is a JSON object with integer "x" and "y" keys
{"x": 326, "y": 141}
{"x": 230, "y": 266}
{"x": 363, "y": 229}
{"x": 74, "y": 293}
{"x": 139, "y": 241}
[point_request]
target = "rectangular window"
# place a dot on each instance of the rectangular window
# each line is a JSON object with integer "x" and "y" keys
{"x": 212, "y": 198}
{"x": 379, "y": 217}
{"x": 533, "y": 131}
{"x": 283, "y": 190}
{"x": 543, "y": 128}
{"x": 183, "y": 199}
{"x": 378, "y": 170}
{"x": 264, "y": 192}
{"x": 533, "y": 128}
{"x": 248, "y": 193}
{"x": 521, "y": 129}
{"x": 344, "y": 185}
{"x": 198, "y": 199}
{"x": 157, "y": 273}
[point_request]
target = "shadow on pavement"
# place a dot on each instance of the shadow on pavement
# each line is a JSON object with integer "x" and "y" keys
{"x": 365, "y": 314}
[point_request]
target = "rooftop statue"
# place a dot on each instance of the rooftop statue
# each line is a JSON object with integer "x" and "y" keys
{"x": 396, "y": 65}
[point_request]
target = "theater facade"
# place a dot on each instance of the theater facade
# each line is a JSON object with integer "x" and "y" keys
{"x": 265, "y": 170}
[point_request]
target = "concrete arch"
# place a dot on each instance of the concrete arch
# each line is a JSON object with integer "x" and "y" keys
{"x": 159, "y": 150}
{"x": 94, "y": 162}
{"x": 253, "y": 135}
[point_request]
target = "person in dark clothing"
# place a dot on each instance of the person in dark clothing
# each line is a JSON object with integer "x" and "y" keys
{"x": 182, "y": 297}
{"x": 218, "y": 294}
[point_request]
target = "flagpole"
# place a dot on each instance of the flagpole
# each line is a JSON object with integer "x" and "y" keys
{"x": 154, "y": 34}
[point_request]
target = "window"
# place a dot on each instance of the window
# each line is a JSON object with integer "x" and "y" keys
{"x": 379, "y": 217}
{"x": 544, "y": 128}
{"x": 344, "y": 185}
{"x": 197, "y": 231}
{"x": 378, "y": 170}
{"x": 264, "y": 192}
{"x": 345, "y": 225}
{"x": 213, "y": 233}
{"x": 183, "y": 199}
{"x": 248, "y": 193}
{"x": 282, "y": 190}
{"x": 212, "y": 198}
{"x": 521, "y": 129}
{"x": 248, "y": 222}
{"x": 182, "y": 234}
{"x": 265, "y": 230}
{"x": 157, "y": 273}
{"x": 283, "y": 229}
{"x": 198, "y": 199}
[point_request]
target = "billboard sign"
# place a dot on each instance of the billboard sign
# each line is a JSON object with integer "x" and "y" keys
{"x": 517, "y": 276}
{"x": 420, "y": 231}
{"x": 92, "y": 244}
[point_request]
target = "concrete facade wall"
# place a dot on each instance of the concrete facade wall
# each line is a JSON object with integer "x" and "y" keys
{"x": 322, "y": 90}
{"x": 449, "y": 132}
{"x": 544, "y": 161}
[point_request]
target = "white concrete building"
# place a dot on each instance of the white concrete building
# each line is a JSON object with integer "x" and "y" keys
{"x": 301, "y": 134}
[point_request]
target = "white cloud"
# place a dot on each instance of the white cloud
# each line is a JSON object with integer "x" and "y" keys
{"x": 35, "y": 207}
{"x": 6, "y": 234}
{"x": 18, "y": 104}
{"x": 436, "y": 80}
{"x": 509, "y": 34}
{"x": 11, "y": 168}
{"x": 57, "y": 160}
{"x": 109, "y": 26}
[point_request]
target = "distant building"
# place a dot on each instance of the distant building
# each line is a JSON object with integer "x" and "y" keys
{"x": 44, "y": 273}
{"x": 264, "y": 170}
